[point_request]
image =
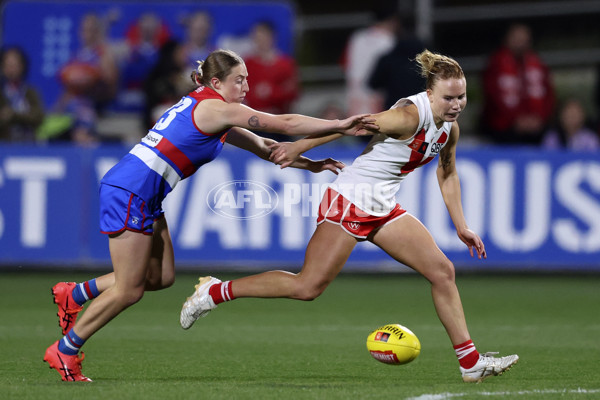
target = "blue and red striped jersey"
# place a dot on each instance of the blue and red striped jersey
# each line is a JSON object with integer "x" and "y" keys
{"x": 171, "y": 151}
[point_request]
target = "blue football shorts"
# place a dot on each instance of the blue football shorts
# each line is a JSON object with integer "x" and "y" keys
{"x": 122, "y": 210}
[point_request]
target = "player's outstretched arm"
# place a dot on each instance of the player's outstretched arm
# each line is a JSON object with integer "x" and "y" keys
{"x": 215, "y": 116}
{"x": 285, "y": 153}
{"x": 260, "y": 146}
{"x": 316, "y": 166}
{"x": 249, "y": 141}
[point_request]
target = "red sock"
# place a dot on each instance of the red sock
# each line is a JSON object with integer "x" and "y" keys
{"x": 467, "y": 354}
{"x": 221, "y": 292}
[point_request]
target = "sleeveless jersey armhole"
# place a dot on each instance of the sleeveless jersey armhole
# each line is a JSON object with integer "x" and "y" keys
{"x": 405, "y": 102}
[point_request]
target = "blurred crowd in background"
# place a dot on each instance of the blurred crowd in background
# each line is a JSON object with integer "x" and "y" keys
{"x": 148, "y": 70}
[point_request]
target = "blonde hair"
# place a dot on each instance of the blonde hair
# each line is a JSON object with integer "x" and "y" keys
{"x": 436, "y": 67}
{"x": 218, "y": 64}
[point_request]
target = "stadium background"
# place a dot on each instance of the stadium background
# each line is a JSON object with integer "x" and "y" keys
{"x": 536, "y": 210}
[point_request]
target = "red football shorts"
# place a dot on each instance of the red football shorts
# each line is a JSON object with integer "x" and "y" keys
{"x": 338, "y": 210}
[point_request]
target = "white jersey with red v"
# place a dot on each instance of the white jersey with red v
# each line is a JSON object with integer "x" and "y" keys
{"x": 419, "y": 155}
{"x": 374, "y": 178}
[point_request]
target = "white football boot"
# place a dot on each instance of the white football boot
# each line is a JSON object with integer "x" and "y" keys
{"x": 488, "y": 366}
{"x": 198, "y": 304}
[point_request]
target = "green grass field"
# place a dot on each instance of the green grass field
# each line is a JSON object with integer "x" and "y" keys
{"x": 284, "y": 349}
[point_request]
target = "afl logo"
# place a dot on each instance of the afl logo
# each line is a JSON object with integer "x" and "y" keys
{"x": 242, "y": 199}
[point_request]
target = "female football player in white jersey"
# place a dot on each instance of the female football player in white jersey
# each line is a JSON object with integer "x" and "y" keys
{"x": 187, "y": 136}
{"x": 360, "y": 205}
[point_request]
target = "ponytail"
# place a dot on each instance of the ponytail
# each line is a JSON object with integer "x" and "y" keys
{"x": 218, "y": 65}
{"x": 437, "y": 67}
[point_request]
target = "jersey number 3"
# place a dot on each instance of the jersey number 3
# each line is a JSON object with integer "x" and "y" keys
{"x": 170, "y": 114}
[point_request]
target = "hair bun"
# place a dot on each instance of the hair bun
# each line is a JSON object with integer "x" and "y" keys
{"x": 199, "y": 69}
{"x": 196, "y": 74}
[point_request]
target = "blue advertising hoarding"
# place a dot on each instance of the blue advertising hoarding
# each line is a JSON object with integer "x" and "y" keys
{"x": 534, "y": 210}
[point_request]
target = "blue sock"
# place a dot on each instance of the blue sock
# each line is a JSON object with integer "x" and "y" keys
{"x": 70, "y": 343}
{"x": 85, "y": 291}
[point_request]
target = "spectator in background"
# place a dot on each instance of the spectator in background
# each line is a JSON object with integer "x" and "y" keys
{"x": 519, "y": 95}
{"x": 142, "y": 43}
{"x": 90, "y": 79}
{"x": 364, "y": 48}
{"x": 241, "y": 43}
{"x": 571, "y": 131}
{"x": 272, "y": 74}
{"x": 394, "y": 74}
{"x": 167, "y": 81}
{"x": 332, "y": 110}
{"x": 197, "y": 44}
{"x": 21, "y": 109}
{"x": 93, "y": 71}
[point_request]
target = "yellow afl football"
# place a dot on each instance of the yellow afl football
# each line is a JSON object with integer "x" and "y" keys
{"x": 393, "y": 344}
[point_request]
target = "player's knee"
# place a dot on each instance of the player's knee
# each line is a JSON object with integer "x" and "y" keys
{"x": 168, "y": 281}
{"x": 135, "y": 297}
{"x": 131, "y": 296}
{"x": 159, "y": 284}
{"x": 159, "y": 281}
{"x": 309, "y": 292}
{"x": 443, "y": 273}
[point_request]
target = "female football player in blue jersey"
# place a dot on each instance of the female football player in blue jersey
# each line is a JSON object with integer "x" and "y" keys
{"x": 188, "y": 135}
{"x": 361, "y": 205}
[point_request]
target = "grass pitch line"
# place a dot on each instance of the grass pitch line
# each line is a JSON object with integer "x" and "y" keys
{"x": 445, "y": 396}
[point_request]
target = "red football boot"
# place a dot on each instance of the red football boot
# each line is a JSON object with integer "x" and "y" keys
{"x": 69, "y": 367}
{"x": 67, "y": 308}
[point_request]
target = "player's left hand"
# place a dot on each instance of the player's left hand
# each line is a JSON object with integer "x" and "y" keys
{"x": 284, "y": 153}
{"x": 359, "y": 125}
{"x": 472, "y": 240}
{"x": 328, "y": 164}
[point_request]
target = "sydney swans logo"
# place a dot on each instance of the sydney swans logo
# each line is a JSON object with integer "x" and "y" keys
{"x": 242, "y": 199}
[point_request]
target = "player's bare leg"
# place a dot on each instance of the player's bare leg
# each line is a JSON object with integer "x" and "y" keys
{"x": 161, "y": 268}
{"x": 409, "y": 242}
{"x": 160, "y": 275}
{"x": 326, "y": 254}
{"x": 130, "y": 254}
